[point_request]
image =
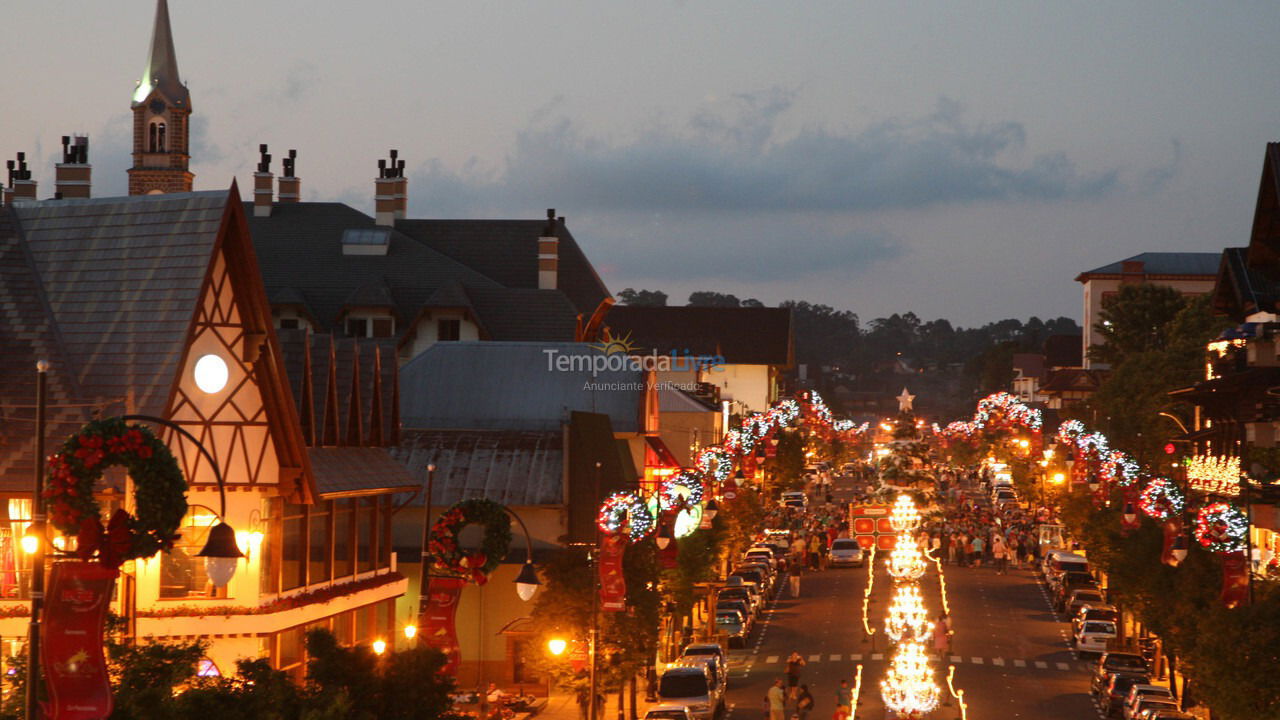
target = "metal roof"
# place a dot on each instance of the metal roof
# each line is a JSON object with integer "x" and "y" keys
{"x": 513, "y": 468}
{"x": 357, "y": 470}
{"x": 1165, "y": 263}
{"x": 512, "y": 386}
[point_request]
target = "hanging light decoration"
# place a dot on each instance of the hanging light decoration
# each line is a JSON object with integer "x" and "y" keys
{"x": 908, "y": 687}
{"x": 908, "y": 621}
{"x": 906, "y": 563}
{"x": 904, "y": 517}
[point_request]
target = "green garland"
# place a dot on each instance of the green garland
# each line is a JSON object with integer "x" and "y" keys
{"x": 477, "y": 565}
{"x": 160, "y": 491}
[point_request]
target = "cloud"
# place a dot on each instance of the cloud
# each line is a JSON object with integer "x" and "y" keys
{"x": 299, "y": 81}
{"x": 743, "y": 162}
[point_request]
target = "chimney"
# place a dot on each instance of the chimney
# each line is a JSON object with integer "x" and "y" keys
{"x": 385, "y": 189}
{"x": 290, "y": 185}
{"x": 71, "y": 176}
{"x": 548, "y": 254}
{"x": 402, "y": 191}
{"x": 262, "y": 182}
{"x": 21, "y": 186}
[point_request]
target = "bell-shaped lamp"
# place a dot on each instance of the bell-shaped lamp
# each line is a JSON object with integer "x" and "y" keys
{"x": 527, "y": 582}
{"x": 220, "y": 553}
{"x": 712, "y": 508}
{"x": 664, "y": 536}
{"x": 1179, "y": 550}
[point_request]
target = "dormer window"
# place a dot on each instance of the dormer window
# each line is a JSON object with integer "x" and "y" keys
{"x": 364, "y": 325}
{"x": 156, "y": 136}
{"x": 366, "y": 241}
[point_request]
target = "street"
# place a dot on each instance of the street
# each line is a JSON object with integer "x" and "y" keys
{"x": 1010, "y": 655}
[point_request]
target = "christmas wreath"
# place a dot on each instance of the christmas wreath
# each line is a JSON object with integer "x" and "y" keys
{"x": 716, "y": 462}
{"x": 1161, "y": 499}
{"x": 683, "y": 490}
{"x": 474, "y": 565}
{"x": 160, "y": 492}
{"x": 1221, "y": 528}
{"x": 625, "y": 511}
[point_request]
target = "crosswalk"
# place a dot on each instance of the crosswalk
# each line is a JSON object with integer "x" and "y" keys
{"x": 999, "y": 662}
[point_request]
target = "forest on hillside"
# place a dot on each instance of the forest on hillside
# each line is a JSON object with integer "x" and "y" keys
{"x": 947, "y": 366}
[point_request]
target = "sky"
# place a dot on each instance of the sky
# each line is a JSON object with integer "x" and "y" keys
{"x": 962, "y": 160}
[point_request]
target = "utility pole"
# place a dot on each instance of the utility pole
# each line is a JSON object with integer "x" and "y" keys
{"x": 37, "y": 558}
{"x": 424, "y": 582}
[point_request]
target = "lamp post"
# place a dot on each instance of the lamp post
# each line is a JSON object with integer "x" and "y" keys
{"x": 37, "y": 558}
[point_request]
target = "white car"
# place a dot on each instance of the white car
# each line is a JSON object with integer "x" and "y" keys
{"x": 1095, "y": 636}
{"x": 668, "y": 711}
{"x": 794, "y": 499}
{"x": 846, "y": 551}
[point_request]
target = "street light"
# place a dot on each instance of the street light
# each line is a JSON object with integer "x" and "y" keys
{"x": 410, "y": 631}
{"x": 665, "y": 535}
{"x": 711, "y": 510}
{"x": 527, "y": 581}
{"x": 557, "y": 646}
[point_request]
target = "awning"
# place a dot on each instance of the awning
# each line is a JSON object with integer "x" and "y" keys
{"x": 657, "y": 454}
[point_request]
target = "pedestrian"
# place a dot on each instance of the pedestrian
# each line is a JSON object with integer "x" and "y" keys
{"x": 978, "y": 547}
{"x": 804, "y": 702}
{"x": 776, "y": 701}
{"x": 794, "y": 580}
{"x": 998, "y": 553}
{"x": 935, "y": 545}
{"x": 844, "y": 701}
{"x": 951, "y": 549}
{"x": 795, "y": 663}
{"x": 942, "y": 636}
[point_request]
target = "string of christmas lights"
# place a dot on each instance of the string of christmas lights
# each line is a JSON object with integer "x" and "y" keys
{"x": 1162, "y": 500}
{"x": 1222, "y": 528}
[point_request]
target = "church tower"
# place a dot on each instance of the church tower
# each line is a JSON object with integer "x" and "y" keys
{"x": 161, "y": 119}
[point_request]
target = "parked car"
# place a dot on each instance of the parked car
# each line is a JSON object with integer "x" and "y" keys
{"x": 1095, "y": 636}
{"x": 1114, "y": 686}
{"x": 761, "y": 554}
{"x": 1138, "y": 692}
{"x": 734, "y": 625}
{"x": 699, "y": 649}
{"x": 668, "y": 711}
{"x": 691, "y": 683}
{"x": 1125, "y": 662}
{"x": 846, "y": 551}
{"x": 1059, "y": 561}
{"x": 1142, "y": 707}
{"x": 1069, "y": 583}
{"x": 1080, "y": 598}
{"x": 754, "y": 574}
{"x": 739, "y": 604}
{"x": 1166, "y": 714}
{"x": 1093, "y": 611}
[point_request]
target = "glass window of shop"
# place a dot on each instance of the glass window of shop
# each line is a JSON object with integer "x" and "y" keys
{"x": 366, "y": 533}
{"x": 343, "y": 538}
{"x": 182, "y": 573}
{"x": 320, "y": 530}
{"x": 15, "y": 565}
{"x": 292, "y": 555}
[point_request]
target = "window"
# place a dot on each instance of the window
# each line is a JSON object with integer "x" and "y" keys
{"x": 318, "y": 562}
{"x": 155, "y": 137}
{"x": 293, "y": 566}
{"x": 288, "y": 323}
{"x": 384, "y": 540}
{"x": 269, "y": 564}
{"x": 343, "y": 545}
{"x": 357, "y": 327}
{"x": 15, "y": 565}
{"x": 289, "y": 651}
{"x": 182, "y": 572}
{"x": 449, "y": 329}
{"x": 366, "y": 533}
{"x": 383, "y": 327}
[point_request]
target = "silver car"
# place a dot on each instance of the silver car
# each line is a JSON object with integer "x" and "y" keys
{"x": 846, "y": 552}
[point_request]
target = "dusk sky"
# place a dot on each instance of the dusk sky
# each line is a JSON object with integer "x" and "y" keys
{"x": 961, "y": 160}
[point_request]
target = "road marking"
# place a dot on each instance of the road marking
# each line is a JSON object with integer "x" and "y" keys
{"x": 815, "y": 658}
{"x": 1042, "y": 665}
{"x": 771, "y": 659}
{"x": 856, "y": 657}
{"x": 1063, "y": 666}
{"x": 976, "y": 661}
{"x": 1019, "y": 663}
{"x": 998, "y": 661}
{"x": 836, "y": 658}
{"x": 957, "y": 659}
{"x": 877, "y": 656}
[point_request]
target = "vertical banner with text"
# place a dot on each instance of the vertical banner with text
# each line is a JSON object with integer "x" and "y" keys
{"x": 71, "y": 654}
{"x": 1235, "y": 579}
{"x": 438, "y": 618}
{"x": 613, "y": 584}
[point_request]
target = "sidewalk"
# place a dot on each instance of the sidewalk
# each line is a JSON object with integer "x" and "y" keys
{"x": 563, "y": 706}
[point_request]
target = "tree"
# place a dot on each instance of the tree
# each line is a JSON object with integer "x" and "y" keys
{"x": 1136, "y": 319}
{"x": 710, "y": 298}
{"x": 646, "y": 298}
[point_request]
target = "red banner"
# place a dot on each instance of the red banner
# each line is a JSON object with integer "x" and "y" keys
{"x": 439, "y": 627}
{"x": 613, "y": 584}
{"x": 1235, "y": 580}
{"x": 71, "y": 655}
{"x": 1172, "y": 530}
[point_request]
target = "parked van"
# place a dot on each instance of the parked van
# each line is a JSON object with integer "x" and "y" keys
{"x": 1057, "y": 562}
{"x": 692, "y": 683}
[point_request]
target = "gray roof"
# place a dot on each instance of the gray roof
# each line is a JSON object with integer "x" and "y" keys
{"x": 1166, "y": 263}
{"x": 122, "y": 277}
{"x": 299, "y": 248}
{"x": 508, "y": 386}
{"x": 513, "y": 468}
{"x": 507, "y": 251}
{"x": 162, "y": 62}
{"x": 357, "y": 470}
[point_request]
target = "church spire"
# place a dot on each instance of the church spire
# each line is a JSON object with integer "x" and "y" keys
{"x": 161, "y": 72}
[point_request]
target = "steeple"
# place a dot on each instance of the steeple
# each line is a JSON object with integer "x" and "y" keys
{"x": 161, "y": 72}
{"x": 161, "y": 119}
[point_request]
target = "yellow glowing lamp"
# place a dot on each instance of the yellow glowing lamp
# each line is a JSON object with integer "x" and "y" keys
{"x": 30, "y": 541}
{"x": 410, "y": 631}
{"x": 379, "y": 646}
{"x": 1059, "y": 478}
{"x": 557, "y": 646}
